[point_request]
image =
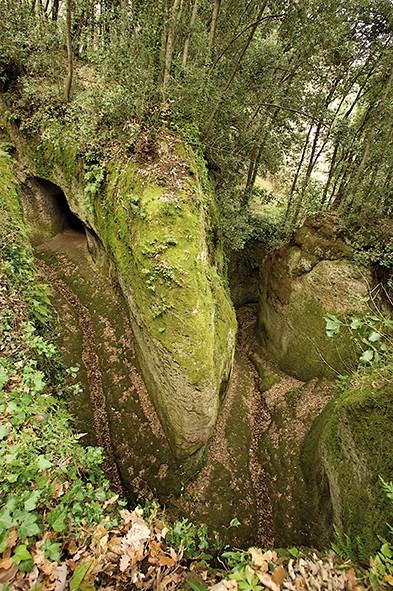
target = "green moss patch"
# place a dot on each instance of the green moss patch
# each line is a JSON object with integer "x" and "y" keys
{"x": 158, "y": 241}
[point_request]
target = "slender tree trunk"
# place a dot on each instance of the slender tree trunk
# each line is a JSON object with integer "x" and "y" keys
{"x": 189, "y": 34}
{"x": 70, "y": 65}
{"x": 213, "y": 24}
{"x": 313, "y": 155}
{"x": 170, "y": 41}
{"x": 297, "y": 173}
{"x": 370, "y": 138}
{"x": 236, "y": 66}
{"x": 250, "y": 37}
{"x": 342, "y": 180}
{"x": 55, "y": 9}
{"x": 255, "y": 161}
{"x": 330, "y": 175}
{"x": 256, "y": 157}
{"x": 123, "y": 16}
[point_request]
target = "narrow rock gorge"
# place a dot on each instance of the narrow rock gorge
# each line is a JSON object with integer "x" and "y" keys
{"x": 219, "y": 418}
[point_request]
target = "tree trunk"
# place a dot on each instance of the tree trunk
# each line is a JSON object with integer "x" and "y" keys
{"x": 213, "y": 24}
{"x": 255, "y": 161}
{"x": 189, "y": 34}
{"x": 170, "y": 42}
{"x": 313, "y": 155}
{"x": 370, "y": 137}
{"x": 297, "y": 174}
{"x": 330, "y": 175}
{"x": 70, "y": 65}
{"x": 55, "y": 9}
{"x": 236, "y": 66}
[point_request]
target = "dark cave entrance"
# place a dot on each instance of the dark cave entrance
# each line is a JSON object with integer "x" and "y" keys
{"x": 47, "y": 208}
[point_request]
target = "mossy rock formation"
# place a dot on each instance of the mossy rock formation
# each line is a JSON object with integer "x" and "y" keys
{"x": 303, "y": 282}
{"x": 155, "y": 220}
{"x": 347, "y": 450}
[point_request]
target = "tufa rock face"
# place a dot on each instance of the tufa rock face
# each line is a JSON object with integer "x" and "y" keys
{"x": 301, "y": 284}
{"x": 344, "y": 455}
{"x": 154, "y": 221}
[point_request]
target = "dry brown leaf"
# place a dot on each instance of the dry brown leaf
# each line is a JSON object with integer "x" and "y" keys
{"x": 110, "y": 501}
{"x": 126, "y": 515}
{"x": 164, "y": 560}
{"x": 8, "y": 574}
{"x": 258, "y": 559}
{"x": 389, "y": 580}
{"x": 270, "y": 556}
{"x": 224, "y": 585}
{"x": 160, "y": 530}
{"x": 6, "y": 563}
{"x": 268, "y": 582}
{"x": 279, "y": 574}
{"x": 137, "y": 535}
{"x": 59, "y": 489}
{"x": 124, "y": 562}
{"x": 72, "y": 547}
{"x": 99, "y": 532}
{"x": 61, "y": 577}
{"x": 352, "y": 581}
{"x": 12, "y": 538}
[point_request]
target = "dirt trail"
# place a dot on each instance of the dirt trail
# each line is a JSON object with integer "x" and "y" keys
{"x": 114, "y": 407}
{"x": 93, "y": 371}
{"x": 233, "y": 482}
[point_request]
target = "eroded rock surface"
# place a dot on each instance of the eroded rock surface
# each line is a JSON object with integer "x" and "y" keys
{"x": 301, "y": 283}
{"x": 346, "y": 453}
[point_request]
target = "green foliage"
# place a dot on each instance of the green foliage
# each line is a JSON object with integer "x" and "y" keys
{"x": 371, "y": 237}
{"x": 382, "y": 563}
{"x": 192, "y": 538}
{"x": 246, "y": 579}
{"x": 371, "y": 334}
{"x": 346, "y": 548}
{"x": 50, "y": 479}
{"x": 50, "y": 483}
{"x": 240, "y": 225}
{"x": 94, "y": 177}
{"x": 79, "y": 575}
{"x": 236, "y": 560}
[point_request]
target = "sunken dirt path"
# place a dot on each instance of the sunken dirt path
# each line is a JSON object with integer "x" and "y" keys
{"x": 114, "y": 408}
{"x": 115, "y": 411}
{"x": 93, "y": 372}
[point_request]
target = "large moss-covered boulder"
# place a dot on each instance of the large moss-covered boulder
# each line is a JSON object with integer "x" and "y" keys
{"x": 302, "y": 283}
{"x": 183, "y": 320}
{"x": 347, "y": 451}
{"x": 156, "y": 223}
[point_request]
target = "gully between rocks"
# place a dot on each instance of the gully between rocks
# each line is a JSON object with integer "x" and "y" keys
{"x": 113, "y": 407}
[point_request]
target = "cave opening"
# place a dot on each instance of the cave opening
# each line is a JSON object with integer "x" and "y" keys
{"x": 51, "y": 206}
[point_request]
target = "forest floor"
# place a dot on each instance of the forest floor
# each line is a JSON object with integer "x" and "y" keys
{"x": 113, "y": 407}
